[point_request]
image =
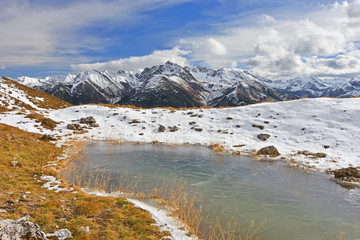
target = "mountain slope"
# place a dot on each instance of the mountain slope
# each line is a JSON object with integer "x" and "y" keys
{"x": 159, "y": 86}
{"x": 16, "y": 96}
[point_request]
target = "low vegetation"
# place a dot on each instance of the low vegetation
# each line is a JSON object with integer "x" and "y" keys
{"x": 22, "y": 161}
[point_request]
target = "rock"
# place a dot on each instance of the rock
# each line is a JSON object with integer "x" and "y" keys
{"x": 74, "y": 126}
{"x": 263, "y": 137}
{"x": 174, "y": 129}
{"x": 47, "y": 137}
{"x": 349, "y": 172}
{"x": 20, "y": 229}
{"x": 161, "y": 128}
{"x": 258, "y": 126}
{"x": 94, "y": 125}
{"x": 320, "y": 155}
{"x": 198, "y": 129}
{"x": 269, "y": 150}
{"x": 85, "y": 229}
{"x": 15, "y": 164}
{"x": 61, "y": 234}
{"x": 2, "y": 211}
{"x": 87, "y": 120}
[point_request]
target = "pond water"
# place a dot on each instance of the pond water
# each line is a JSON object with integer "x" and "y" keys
{"x": 296, "y": 205}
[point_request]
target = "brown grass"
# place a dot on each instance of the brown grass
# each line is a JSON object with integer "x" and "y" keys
{"x": 21, "y": 194}
{"x": 45, "y": 122}
{"x": 49, "y": 102}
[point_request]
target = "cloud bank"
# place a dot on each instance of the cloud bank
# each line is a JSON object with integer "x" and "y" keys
{"x": 325, "y": 42}
{"x": 135, "y": 63}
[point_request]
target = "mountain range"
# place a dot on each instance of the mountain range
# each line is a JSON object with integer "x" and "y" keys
{"x": 177, "y": 86}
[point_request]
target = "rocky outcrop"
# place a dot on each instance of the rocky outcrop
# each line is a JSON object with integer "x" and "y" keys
{"x": 20, "y": 229}
{"x": 347, "y": 173}
{"x": 270, "y": 151}
{"x": 24, "y": 229}
{"x": 89, "y": 121}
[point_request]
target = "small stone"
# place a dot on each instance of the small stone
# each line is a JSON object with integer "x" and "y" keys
{"x": 263, "y": 136}
{"x": 320, "y": 155}
{"x": 161, "y": 128}
{"x": 74, "y": 126}
{"x": 326, "y": 146}
{"x": 258, "y": 126}
{"x": 85, "y": 229}
{"x": 198, "y": 129}
{"x": 269, "y": 150}
{"x": 61, "y": 234}
{"x": 174, "y": 129}
{"x": 15, "y": 164}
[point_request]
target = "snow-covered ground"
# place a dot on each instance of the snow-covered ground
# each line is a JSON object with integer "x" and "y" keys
{"x": 323, "y": 125}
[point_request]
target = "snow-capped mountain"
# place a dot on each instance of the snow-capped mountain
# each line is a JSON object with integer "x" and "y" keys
{"x": 173, "y": 85}
{"x": 312, "y": 87}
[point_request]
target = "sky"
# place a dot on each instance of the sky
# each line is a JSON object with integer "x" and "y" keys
{"x": 272, "y": 39}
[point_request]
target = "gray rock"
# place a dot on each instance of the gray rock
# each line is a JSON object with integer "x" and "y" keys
{"x": 61, "y": 234}
{"x": 87, "y": 120}
{"x": 85, "y": 229}
{"x": 174, "y": 129}
{"x": 74, "y": 126}
{"x": 263, "y": 137}
{"x": 20, "y": 229}
{"x": 161, "y": 128}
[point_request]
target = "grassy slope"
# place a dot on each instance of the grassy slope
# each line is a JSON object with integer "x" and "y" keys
{"x": 21, "y": 194}
{"x": 107, "y": 217}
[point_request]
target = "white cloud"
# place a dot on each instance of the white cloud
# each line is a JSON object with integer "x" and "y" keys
{"x": 134, "y": 63}
{"x": 324, "y": 41}
{"x": 52, "y": 32}
{"x": 2, "y": 67}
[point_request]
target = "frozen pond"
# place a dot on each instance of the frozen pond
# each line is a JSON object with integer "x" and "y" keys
{"x": 296, "y": 205}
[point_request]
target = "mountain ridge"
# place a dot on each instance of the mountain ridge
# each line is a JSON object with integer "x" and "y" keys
{"x": 172, "y": 85}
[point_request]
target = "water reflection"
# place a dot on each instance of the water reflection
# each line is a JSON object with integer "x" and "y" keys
{"x": 296, "y": 205}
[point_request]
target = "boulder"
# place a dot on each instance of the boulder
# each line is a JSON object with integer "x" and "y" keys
{"x": 20, "y": 229}
{"x": 87, "y": 120}
{"x": 263, "y": 137}
{"x": 269, "y": 151}
{"x": 349, "y": 172}
{"x": 74, "y": 126}
{"x": 61, "y": 234}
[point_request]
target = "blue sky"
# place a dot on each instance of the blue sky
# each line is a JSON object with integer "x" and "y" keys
{"x": 275, "y": 39}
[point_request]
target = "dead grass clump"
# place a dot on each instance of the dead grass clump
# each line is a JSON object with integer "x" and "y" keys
{"x": 45, "y": 122}
{"x": 218, "y": 147}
